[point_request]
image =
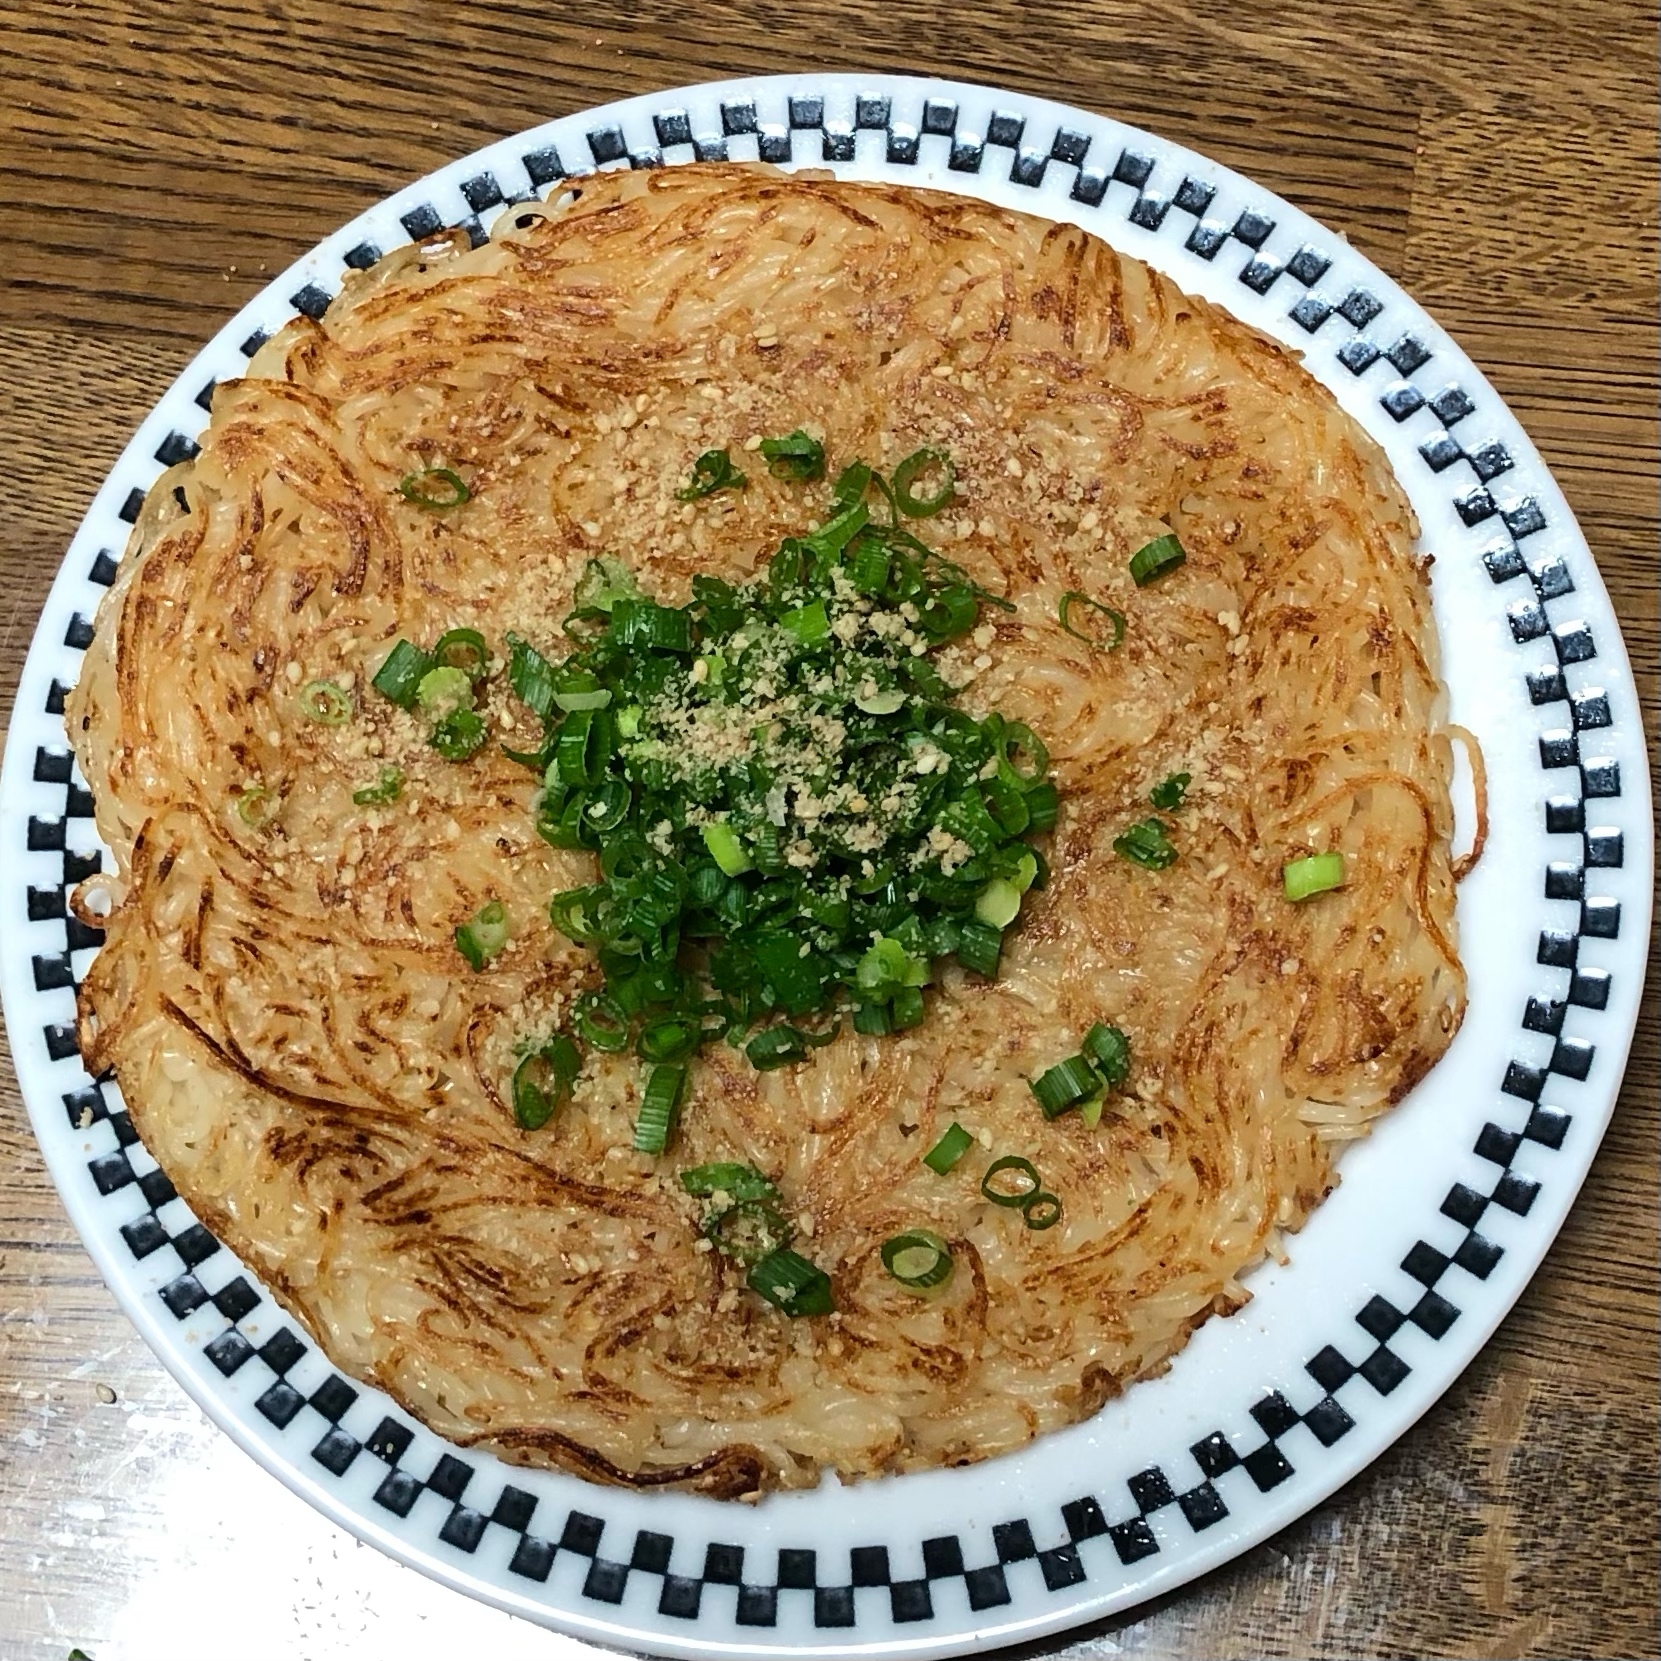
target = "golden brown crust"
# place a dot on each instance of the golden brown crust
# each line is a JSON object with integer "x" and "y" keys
{"x": 303, "y": 1049}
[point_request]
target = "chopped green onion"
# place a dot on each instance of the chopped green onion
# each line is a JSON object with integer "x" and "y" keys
{"x": 1043, "y": 805}
{"x": 1109, "y": 1052}
{"x": 542, "y": 1080}
{"x": 1316, "y": 875}
{"x": 836, "y": 533}
{"x": 809, "y": 624}
{"x": 774, "y": 1047}
{"x": 796, "y": 457}
{"x": 789, "y": 1282}
{"x": 531, "y": 676}
{"x": 979, "y": 947}
{"x": 919, "y": 1258}
{"x": 740, "y": 893}
{"x": 749, "y": 1230}
{"x": 873, "y": 1020}
{"x": 888, "y": 966}
{"x": 951, "y": 1147}
{"x": 463, "y": 649}
{"x": 458, "y": 735}
{"x": 999, "y": 903}
{"x": 1065, "y": 1085}
{"x": 448, "y": 490}
{"x": 608, "y": 805}
{"x": 400, "y": 676}
{"x": 1023, "y": 1181}
{"x": 325, "y": 703}
{"x": 917, "y": 464}
{"x": 726, "y": 850}
{"x": 255, "y": 805}
{"x": 1019, "y": 740}
{"x": 659, "y": 1108}
{"x": 387, "y": 788}
{"x": 604, "y": 582}
{"x": 481, "y": 939}
{"x": 851, "y": 485}
{"x": 738, "y": 1182}
{"x": 585, "y": 743}
{"x": 568, "y": 912}
{"x": 906, "y": 1008}
{"x": 1154, "y": 559}
{"x": 1168, "y": 794}
{"x": 1073, "y": 597}
{"x": 602, "y": 1024}
{"x": 444, "y": 689}
{"x": 885, "y": 702}
{"x": 646, "y": 623}
{"x": 1041, "y": 1210}
{"x": 669, "y": 1038}
{"x": 1146, "y": 844}
{"x": 1090, "y": 1109}
{"x": 599, "y": 698}
{"x": 712, "y": 471}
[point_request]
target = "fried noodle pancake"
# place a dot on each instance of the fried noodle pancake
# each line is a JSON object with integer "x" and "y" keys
{"x": 324, "y": 1078}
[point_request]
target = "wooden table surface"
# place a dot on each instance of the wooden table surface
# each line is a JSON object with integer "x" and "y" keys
{"x": 1498, "y": 157}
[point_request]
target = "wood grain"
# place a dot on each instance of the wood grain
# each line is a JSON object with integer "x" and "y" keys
{"x": 1498, "y": 158}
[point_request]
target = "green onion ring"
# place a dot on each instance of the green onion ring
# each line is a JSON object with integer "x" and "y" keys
{"x": 324, "y": 702}
{"x": 1041, "y": 1210}
{"x": 921, "y": 461}
{"x": 1023, "y": 1168}
{"x": 412, "y": 488}
{"x": 919, "y": 1259}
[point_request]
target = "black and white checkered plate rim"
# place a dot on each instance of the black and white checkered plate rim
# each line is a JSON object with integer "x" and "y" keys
{"x": 1397, "y": 1281}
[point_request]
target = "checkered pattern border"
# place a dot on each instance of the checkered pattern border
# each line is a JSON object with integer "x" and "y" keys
{"x": 1345, "y": 1375}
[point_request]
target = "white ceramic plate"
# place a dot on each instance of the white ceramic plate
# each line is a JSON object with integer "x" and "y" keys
{"x": 1400, "y": 1276}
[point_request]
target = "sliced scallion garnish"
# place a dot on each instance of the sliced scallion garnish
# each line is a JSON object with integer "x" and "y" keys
{"x": 952, "y": 1146}
{"x": 485, "y": 935}
{"x": 654, "y": 1127}
{"x": 254, "y": 805}
{"x": 459, "y": 734}
{"x": 791, "y": 1283}
{"x": 1154, "y": 559}
{"x": 725, "y": 849}
{"x": 463, "y": 649}
{"x": 918, "y": 1258}
{"x": 543, "y": 1080}
{"x": 1041, "y": 1210}
{"x": 1304, "y": 878}
{"x": 1065, "y": 1085}
{"x": 326, "y": 703}
{"x": 1109, "y": 1052}
{"x": 604, "y": 582}
{"x": 748, "y": 1229}
{"x": 999, "y": 902}
{"x": 921, "y": 464}
{"x": 387, "y": 788}
{"x": 729, "y": 1177}
{"x": 1020, "y": 1180}
{"x": 434, "y": 489}
{"x": 1146, "y": 843}
{"x": 1169, "y": 793}
{"x": 796, "y": 457}
{"x": 444, "y": 688}
{"x": 791, "y": 812}
{"x": 712, "y": 471}
{"x": 399, "y": 677}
